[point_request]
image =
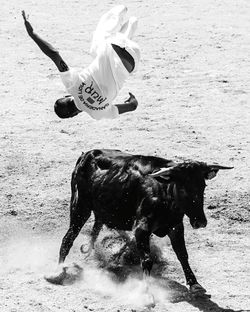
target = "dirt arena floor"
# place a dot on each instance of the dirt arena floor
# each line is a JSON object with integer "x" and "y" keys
{"x": 193, "y": 91}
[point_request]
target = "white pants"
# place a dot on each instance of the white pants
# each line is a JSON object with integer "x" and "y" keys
{"x": 114, "y": 28}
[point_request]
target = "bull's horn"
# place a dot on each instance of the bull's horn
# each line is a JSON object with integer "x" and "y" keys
{"x": 161, "y": 172}
{"x": 218, "y": 167}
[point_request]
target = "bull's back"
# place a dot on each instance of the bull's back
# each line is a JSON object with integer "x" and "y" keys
{"x": 106, "y": 158}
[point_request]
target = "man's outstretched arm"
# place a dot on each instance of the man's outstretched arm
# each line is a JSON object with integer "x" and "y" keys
{"x": 129, "y": 105}
{"x": 46, "y": 47}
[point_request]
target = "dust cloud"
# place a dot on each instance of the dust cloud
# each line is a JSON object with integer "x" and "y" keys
{"x": 27, "y": 253}
{"x": 135, "y": 291}
{"x": 26, "y": 257}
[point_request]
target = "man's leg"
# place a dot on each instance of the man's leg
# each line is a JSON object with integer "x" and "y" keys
{"x": 109, "y": 24}
{"x": 47, "y": 48}
{"x": 129, "y": 28}
{"x": 125, "y": 57}
{"x": 123, "y": 45}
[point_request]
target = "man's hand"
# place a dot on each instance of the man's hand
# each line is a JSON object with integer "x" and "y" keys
{"x": 128, "y": 106}
{"x": 27, "y": 24}
{"x": 132, "y": 101}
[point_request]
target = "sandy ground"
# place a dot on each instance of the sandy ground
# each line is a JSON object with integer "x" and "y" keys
{"x": 193, "y": 90}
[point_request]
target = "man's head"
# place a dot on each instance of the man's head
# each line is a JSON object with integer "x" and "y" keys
{"x": 66, "y": 108}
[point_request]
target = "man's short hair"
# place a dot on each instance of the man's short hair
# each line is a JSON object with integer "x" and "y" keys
{"x": 65, "y": 107}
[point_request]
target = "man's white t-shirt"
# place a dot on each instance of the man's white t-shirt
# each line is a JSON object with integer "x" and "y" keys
{"x": 95, "y": 87}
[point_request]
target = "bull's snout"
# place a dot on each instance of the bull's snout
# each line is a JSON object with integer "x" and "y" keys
{"x": 196, "y": 224}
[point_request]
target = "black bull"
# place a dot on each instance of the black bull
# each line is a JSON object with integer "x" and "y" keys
{"x": 141, "y": 193}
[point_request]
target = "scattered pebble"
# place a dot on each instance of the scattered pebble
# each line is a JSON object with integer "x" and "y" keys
{"x": 13, "y": 213}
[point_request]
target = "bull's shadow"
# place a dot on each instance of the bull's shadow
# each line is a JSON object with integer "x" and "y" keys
{"x": 179, "y": 293}
{"x": 175, "y": 291}
{"x": 125, "y": 263}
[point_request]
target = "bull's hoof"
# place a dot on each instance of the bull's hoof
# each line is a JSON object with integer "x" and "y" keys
{"x": 146, "y": 265}
{"x": 66, "y": 276}
{"x": 197, "y": 290}
{"x": 149, "y": 301}
{"x": 56, "y": 278}
{"x": 147, "y": 297}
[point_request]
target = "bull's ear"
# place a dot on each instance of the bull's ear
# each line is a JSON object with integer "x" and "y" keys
{"x": 211, "y": 171}
{"x": 163, "y": 173}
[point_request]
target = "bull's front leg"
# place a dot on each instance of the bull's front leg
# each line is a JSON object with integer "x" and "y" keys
{"x": 176, "y": 236}
{"x": 142, "y": 237}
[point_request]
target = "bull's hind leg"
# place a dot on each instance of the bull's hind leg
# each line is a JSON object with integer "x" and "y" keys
{"x": 79, "y": 214}
{"x": 93, "y": 237}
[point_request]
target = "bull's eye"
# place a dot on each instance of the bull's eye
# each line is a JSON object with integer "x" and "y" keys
{"x": 183, "y": 192}
{"x": 196, "y": 199}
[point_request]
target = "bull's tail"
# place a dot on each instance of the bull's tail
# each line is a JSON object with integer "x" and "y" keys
{"x": 84, "y": 167}
{"x": 74, "y": 190}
